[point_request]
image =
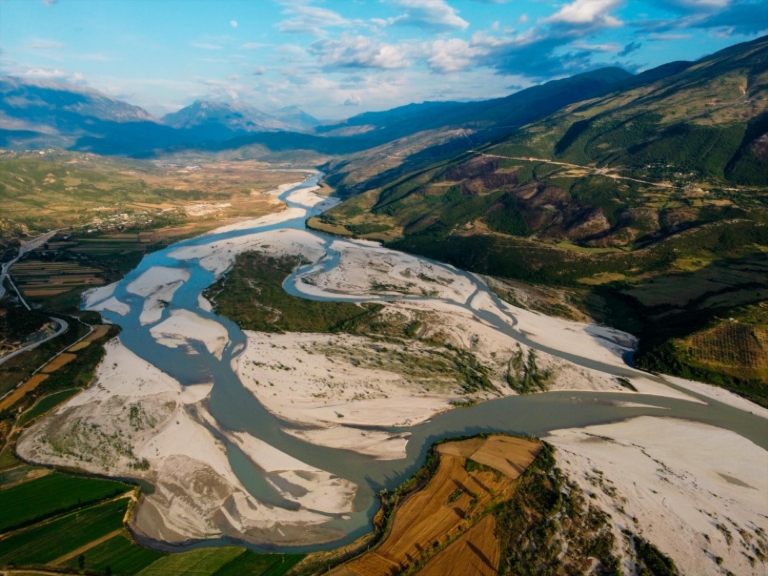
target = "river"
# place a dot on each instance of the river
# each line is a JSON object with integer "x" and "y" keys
{"x": 235, "y": 408}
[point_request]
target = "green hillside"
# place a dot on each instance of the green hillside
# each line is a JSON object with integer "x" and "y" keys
{"x": 648, "y": 205}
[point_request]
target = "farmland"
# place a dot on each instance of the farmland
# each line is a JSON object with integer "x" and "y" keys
{"x": 62, "y": 521}
{"x": 46, "y": 542}
{"x": 50, "y": 495}
{"x": 430, "y": 522}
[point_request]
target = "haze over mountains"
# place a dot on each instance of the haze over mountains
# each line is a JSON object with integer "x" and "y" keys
{"x": 36, "y": 114}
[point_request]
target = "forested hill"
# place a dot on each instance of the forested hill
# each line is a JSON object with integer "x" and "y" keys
{"x": 647, "y": 204}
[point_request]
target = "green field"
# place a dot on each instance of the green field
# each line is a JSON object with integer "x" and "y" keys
{"x": 51, "y": 495}
{"x": 48, "y": 541}
{"x": 45, "y": 404}
{"x": 120, "y": 554}
{"x": 259, "y": 564}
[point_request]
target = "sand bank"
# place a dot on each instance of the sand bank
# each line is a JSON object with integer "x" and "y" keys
{"x": 183, "y": 325}
{"x": 93, "y": 296}
{"x": 382, "y": 445}
{"x": 111, "y": 305}
{"x": 135, "y": 421}
{"x": 155, "y": 278}
{"x": 719, "y": 394}
{"x": 218, "y": 257}
{"x": 680, "y": 480}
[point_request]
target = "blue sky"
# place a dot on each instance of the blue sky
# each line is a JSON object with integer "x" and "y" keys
{"x": 337, "y": 58}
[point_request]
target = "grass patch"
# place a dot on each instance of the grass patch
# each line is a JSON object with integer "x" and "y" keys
{"x": 194, "y": 562}
{"x": 47, "y": 542}
{"x": 44, "y": 404}
{"x": 255, "y": 564}
{"x": 118, "y": 555}
{"x": 50, "y": 495}
{"x": 252, "y": 295}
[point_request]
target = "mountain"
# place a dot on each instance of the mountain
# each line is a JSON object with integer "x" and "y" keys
{"x": 296, "y": 118}
{"x": 221, "y": 120}
{"x": 44, "y": 114}
{"x": 648, "y": 204}
{"x": 413, "y": 136}
{"x": 56, "y": 114}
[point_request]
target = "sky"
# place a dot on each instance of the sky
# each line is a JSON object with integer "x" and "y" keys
{"x": 338, "y": 58}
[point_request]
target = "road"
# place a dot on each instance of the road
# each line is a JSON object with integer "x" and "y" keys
{"x": 63, "y": 325}
{"x": 601, "y": 171}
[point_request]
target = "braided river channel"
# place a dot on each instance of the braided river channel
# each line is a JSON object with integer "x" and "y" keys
{"x": 236, "y": 409}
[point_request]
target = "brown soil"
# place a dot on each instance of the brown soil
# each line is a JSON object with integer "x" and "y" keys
{"x": 476, "y": 552}
{"x": 60, "y": 360}
{"x": 99, "y": 331}
{"x": 18, "y": 394}
{"x": 510, "y": 456}
{"x": 452, "y": 501}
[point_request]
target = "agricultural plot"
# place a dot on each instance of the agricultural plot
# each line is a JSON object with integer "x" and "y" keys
{"x": 448, "y": 515}
{"x": 41, "y": 279}
{"x": 119, "y": 554}
{"x": 50, "y": 495}
{"x": 194, "y": 562}
{"x": 49, "y": 541}
{"x": 475, "y": 552}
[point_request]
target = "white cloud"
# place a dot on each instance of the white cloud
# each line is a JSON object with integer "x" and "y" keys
{"x": 452, "y": 55}
{"x": 587, "y": 12}
{"x": 205, "y": 46}
{"x": 46, "y": 74}
{"x": 359, "y": 52}
{"x": 233, "y": 23}
{"x": 522, "y": 20}
{"x": 353, "y": 100}
{"x": 307, "y": 19}
{"x": 667, "y": 37}
{"x": 254, "y": 45}
{"x": 259, "y": 71}
{"x": 429, "y": 14}
{"x": 608, "y": 47}
{"x": 42, "y": 44}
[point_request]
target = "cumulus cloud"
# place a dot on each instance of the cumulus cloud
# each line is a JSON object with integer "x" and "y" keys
{"x": 259, "y": 71}
{"x": 435, "y": 14}
{"x": 359, "y": 52}
{"x": 353, "y": 100}
{"x": 233, "y": 23}
{"x": 452, "y": 55}
{"x": 587, "y": 13}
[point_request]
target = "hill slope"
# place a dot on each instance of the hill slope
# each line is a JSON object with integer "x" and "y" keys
{"x": 416, "y": 135}
{"x": 647, "y": 205}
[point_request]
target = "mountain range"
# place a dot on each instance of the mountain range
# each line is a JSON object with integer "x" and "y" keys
{"x": 36, "y": 114}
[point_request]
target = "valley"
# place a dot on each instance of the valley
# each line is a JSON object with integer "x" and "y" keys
{"x": 524, "y": 335}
